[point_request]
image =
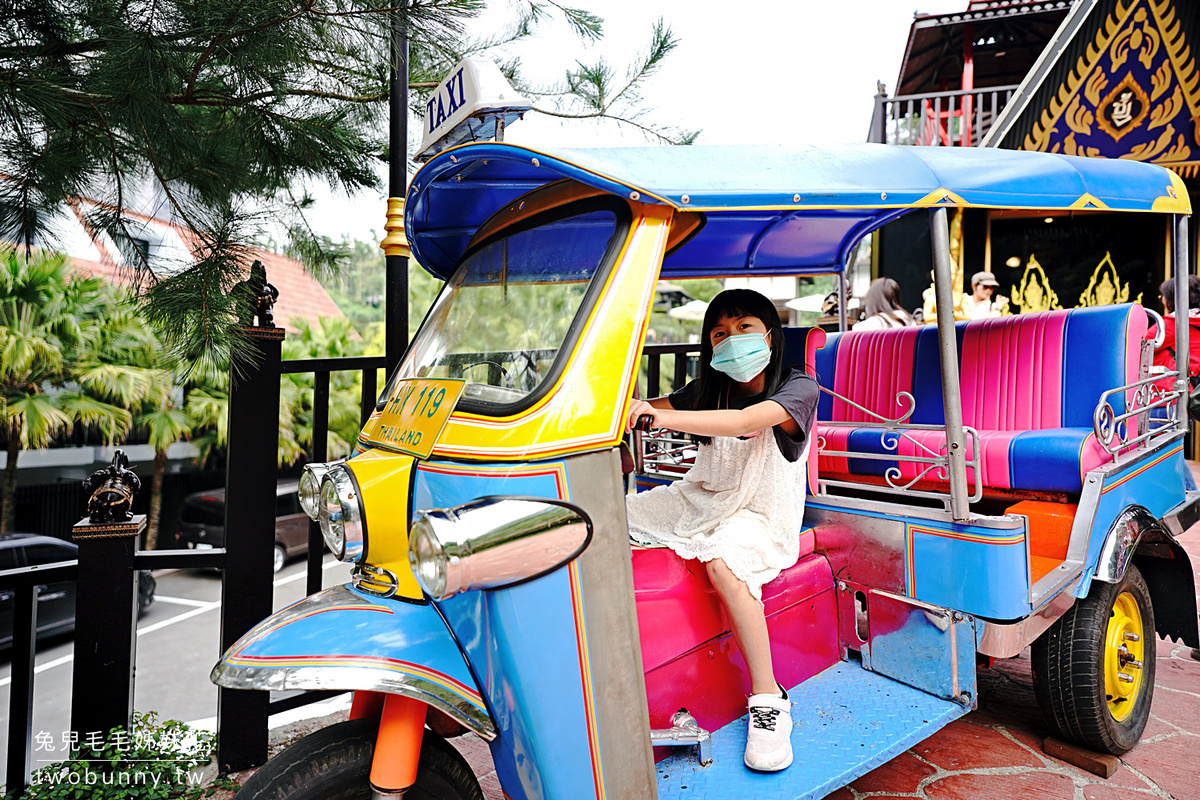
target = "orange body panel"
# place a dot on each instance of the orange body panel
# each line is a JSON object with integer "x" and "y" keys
{"x": 1049, "y": 533}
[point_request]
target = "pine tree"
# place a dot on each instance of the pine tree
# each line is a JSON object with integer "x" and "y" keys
{"x": 220, "y": 109}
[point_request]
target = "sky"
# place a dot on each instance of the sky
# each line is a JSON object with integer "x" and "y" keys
{"x": 781, "y": 72}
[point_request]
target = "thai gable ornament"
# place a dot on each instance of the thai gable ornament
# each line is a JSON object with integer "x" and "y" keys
{"x": 1134, "y": 93}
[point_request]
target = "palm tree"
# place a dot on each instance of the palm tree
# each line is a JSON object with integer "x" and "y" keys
{"x": 165, "y": 423}
{"x": 333, "y": 337}
{"x": 48, "y": 323}
{"x": 125, "y": 367}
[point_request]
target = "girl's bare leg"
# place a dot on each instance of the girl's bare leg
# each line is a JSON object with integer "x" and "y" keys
{"x": 748, "y": 620}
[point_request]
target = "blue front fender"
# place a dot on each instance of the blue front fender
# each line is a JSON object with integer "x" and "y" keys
{"x": 343, "y": 639}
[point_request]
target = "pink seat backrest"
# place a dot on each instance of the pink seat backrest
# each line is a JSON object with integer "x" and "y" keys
{"x": 1011, "y": 372}
{"x": 872, "y": 368}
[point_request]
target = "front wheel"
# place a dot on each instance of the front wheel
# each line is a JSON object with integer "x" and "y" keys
{"x": 335, "y": 764}
{"x": 1093, "y": 669}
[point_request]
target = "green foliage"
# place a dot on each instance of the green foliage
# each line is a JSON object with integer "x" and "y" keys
{"x": 358, "y": 289}
{"x": 219, "y": 111}
{"x": 52, "y": 330}
{"x": 332, "y": 338}
{"x": 152, "y": 761}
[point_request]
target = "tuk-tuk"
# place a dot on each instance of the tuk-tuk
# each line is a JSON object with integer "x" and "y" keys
{"x": 977, "y": 488}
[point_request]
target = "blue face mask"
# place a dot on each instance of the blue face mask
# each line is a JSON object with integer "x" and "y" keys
{"x": 742, "y": 357}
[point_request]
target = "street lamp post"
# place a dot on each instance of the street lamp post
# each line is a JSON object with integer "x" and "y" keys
{"x": 395, "y": 246}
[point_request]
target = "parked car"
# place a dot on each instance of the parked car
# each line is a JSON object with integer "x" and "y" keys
{"x": 56, "y": 601}
{"x": 202, "y": 522}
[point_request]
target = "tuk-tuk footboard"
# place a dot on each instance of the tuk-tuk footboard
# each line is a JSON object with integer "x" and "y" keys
{"x": 834, "y": 715}
{"x": 343, "y": 639}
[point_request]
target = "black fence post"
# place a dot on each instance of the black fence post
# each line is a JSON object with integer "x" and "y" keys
{"x": 106, "y": 627}
{"x": 20, "y": 723}
{"x": 247, "y": 587}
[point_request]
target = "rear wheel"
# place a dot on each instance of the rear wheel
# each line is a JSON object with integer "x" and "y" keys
{"x": 335, "y": 764}
{"x": 280, "y": 558}
{"x": 1093, "y": 669}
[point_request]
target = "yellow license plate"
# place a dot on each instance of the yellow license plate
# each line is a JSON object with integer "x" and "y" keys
{"x": 415, "y": 414}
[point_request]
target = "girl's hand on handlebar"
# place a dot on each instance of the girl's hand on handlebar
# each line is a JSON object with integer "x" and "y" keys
{"x": 640, "y": 408}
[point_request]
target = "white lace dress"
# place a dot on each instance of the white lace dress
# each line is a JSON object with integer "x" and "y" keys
{"x": 742, "y": 502}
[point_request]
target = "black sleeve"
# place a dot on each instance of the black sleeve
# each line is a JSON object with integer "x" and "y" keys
{"x": 685, "y": 398}
{"x": 798, "y": 395}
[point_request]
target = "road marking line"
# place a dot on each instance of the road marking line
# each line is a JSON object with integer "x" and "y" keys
{"x": 322, "y": 708}
{"x": 301, "y": 575}
{"x": 200, "y": 608}
{"x": 181, "y": 601}
{"x": 180, "y": 617}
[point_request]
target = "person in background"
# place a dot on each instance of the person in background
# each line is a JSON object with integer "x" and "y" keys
{"x": 982, "y": 303}
{"x": 1164, "y": 354}
{"x": 883, "y": 309}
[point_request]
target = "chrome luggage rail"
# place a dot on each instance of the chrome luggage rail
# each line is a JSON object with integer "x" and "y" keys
{"x": 935, "y": 462}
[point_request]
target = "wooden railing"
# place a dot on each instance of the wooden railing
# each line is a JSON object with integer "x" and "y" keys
{"x": 957, "y": 119}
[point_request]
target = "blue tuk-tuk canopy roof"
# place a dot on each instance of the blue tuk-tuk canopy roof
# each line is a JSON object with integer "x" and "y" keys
{"x": 773, "y": 209}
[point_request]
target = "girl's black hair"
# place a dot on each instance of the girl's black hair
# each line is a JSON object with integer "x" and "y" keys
{"x": 712, "y": 386}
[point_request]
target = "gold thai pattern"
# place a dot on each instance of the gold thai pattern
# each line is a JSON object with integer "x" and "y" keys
{"x": 1134, "y": 93}
{"x": 1105, "y": 287}
{"x": 1033, "y": 292}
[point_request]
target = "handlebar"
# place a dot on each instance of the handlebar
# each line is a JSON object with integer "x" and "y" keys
{"x": 643, "y": 423}
{"x": 1160, "y": 327}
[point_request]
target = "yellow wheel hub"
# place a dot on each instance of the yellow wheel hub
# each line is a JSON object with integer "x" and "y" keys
{"x": 1124, "y": 654}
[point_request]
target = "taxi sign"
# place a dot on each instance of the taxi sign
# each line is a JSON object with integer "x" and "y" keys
{"x": 414, "y": 416}
{"x": 468, "y": 106}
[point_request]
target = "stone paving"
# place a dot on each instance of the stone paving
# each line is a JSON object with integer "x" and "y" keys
{"x": 995, "y": 752}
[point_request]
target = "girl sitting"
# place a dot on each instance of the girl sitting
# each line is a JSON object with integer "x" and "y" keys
{"x": 741, "y": 507}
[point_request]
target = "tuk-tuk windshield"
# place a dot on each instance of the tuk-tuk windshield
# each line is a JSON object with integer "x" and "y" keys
{"x": 508, "y": 310}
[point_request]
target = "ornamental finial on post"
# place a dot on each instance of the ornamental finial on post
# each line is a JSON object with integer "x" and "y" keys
{"x": 395, "y": 243}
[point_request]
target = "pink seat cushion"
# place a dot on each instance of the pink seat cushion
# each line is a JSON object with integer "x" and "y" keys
{"x": 678, "y": 609}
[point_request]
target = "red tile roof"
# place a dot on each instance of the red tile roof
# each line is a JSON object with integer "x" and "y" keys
{"x": 301, "y": 297}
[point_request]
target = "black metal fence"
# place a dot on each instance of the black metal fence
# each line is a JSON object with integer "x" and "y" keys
{"x": 242, "y": 717}
{"x": 247, "y": 586}
{"x": 51, "y": 509}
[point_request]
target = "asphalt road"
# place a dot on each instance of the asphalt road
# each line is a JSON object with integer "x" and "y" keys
{"x": 178, "y": 643}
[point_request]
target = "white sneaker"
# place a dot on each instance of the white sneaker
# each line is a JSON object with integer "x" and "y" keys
{"x": 769, "y": 743}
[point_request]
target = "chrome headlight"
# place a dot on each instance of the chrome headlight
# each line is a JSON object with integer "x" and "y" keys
{"x": 310, "y": 486}
{"x": 340, "y": 513}
{"x": 427, "y": 558}
{"x": 493, "y": 542}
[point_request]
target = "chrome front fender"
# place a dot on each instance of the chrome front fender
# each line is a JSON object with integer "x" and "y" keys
{"x": 346, "y": 640}
{"x": 1122, "y": 542}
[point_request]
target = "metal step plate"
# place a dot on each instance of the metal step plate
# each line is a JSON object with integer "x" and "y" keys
{"x": 846, "y": 722}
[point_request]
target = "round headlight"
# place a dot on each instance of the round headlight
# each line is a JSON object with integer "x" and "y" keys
{"x": 310, "y": 493}
{"x": 427, "y": 558}
{"x": 340, "y": 512}
{"x": 333, "y": 525}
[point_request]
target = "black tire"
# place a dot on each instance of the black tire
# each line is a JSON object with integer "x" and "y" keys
{"x": 335, "y": 764}
{"x": 1076, "y": 660}
{"x": 147, "y": 586}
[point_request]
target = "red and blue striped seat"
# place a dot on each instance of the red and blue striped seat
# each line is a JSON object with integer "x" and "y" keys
{"x": 1030, "y": 384}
